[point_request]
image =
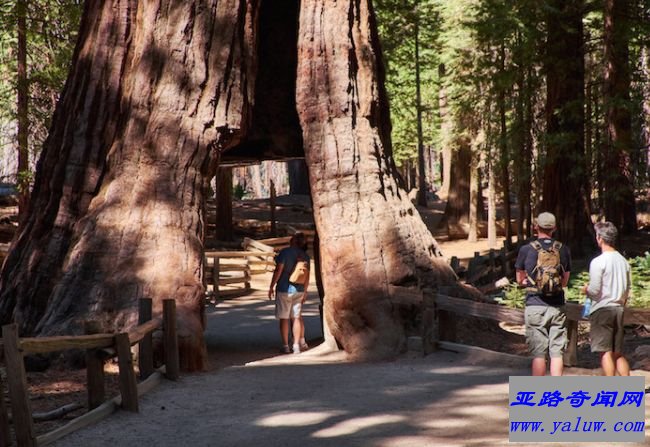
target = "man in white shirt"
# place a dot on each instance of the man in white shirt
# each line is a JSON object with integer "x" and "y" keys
{"x": 608, "y": 288}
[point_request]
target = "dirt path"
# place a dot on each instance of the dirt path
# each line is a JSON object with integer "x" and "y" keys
{"x": 253, "y": 396}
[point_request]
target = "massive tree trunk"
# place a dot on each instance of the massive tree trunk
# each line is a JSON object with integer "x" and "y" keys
{"x": 564, "y": 170}
{"x": 157, "y": 90}
{"x": 372, "y": 238}
{"x": 619, "y": 188}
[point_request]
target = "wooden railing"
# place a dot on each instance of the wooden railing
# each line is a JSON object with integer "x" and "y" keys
{"x": 99, "y": 348}
{"x": 440, "y": 318}
{"x": 237, "y": 267}
{"x": 228, "y": 268}
{"x": 484, "y": 269}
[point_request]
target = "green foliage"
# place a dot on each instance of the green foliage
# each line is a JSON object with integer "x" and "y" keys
{"x": 640, "y": 294}
{"x": 514, "y": 296}
{"x": 640, "y": 281}
{"x": 238, "y": 191}
{"x": 573, "y": 292}
{"x": 51, "y": 34}
{"x": 397, "y": 20}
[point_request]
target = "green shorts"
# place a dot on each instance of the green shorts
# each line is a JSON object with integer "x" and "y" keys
{"x": 606, "y": 329}
{"x": 546, "y": 332}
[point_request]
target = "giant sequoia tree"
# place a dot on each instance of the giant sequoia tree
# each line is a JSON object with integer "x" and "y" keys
{"x": 564, "y": 169}
{"x": 372, "y": 241}
{"x": 158, "y": 91}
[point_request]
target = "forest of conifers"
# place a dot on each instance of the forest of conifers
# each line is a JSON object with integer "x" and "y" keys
{"x": 531, "y": 102}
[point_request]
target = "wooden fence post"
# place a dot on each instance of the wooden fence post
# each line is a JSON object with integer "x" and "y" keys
{"x": 145, "y": 347}
{"x": 215, "y": 276}
{"x": 503, "y": 259}
{"x": 5, "y": 439}
{"x": 455, "y": 264}
{"x": 247, "y": 276}
{"x": 571, "y": 353}
{"x": 170, "y": 339}
{"x": 128, "y": 384}
{"x": 94, "y": 369}
{"x": 493, "y": 266}
{"x": 446, "y": 325}
{"x": 21, "y": 410}
{"x": 429, "y": 322}
{"x": 274, "y": 232}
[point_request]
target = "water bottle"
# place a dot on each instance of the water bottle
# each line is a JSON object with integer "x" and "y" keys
{"x": 587, "y": 308}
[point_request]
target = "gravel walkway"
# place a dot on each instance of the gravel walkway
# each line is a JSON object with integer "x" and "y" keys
{"x": 314, "y": 398}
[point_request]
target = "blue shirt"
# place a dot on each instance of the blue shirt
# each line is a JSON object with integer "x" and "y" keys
{"x": 527, "y": 260}
{"x": 289, "y": 257}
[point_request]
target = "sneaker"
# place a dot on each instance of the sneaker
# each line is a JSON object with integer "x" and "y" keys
{"x": 304, "y": 346}
{"x": 285, "y": 350}
{"x": 296, "y": 349}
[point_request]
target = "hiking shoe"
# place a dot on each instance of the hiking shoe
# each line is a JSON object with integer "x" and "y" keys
{"x": 296, "y": 349}
{"x": 285, "y": 350}
{"x": 304, "y": 346}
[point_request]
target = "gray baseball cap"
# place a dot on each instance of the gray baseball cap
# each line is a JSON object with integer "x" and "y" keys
{"x": 546, "y": 221}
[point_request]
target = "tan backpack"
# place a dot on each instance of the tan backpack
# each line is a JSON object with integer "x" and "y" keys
{"x": 300, "y": 272}
{"x": 547, "y": 275}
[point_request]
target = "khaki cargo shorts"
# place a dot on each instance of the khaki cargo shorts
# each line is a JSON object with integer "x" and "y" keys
{"x": 288, "y": 305}
{"x": 606, "y": 332}
{"x": 546, "y": 332}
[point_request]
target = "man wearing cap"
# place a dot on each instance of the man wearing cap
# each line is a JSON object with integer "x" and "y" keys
{"x": 546, "y": 333}
{"x": 608, "y": 288}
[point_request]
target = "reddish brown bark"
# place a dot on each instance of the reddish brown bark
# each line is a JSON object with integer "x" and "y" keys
{"x": 158, "y": 89}
{"x": 457, "y": 210}
{"x": 564, "y": 168}
{"x": 619, "y": 188}
{"x": 372, "y": 238}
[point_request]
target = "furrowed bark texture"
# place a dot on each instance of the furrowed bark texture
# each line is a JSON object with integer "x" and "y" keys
{"x": 564, "y": 167}
{"x": 620, "y": 207}
{"x": 372, "y": 238}
{"x": 158, "y": 89}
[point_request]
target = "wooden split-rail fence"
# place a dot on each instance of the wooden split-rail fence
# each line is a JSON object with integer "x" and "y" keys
{"x": 440, "y": 317}
{"x": 483, "y": 270}
{"x": 99, "y": 348}
{"x": 234, "y": 269}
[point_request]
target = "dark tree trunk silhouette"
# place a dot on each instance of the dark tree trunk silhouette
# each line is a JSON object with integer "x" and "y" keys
{"x": 620, "y": 208}
{"x": 564, "y": 169}
{"x": 372, "y": 239}
{"x": 298, "y": 177}
{"x": 422, "y": 172}
{"x": 504, "y": 155}
{"x": 157, "y": 90}
{"x": 223, "y": 213}
{"x": 22, "y": 110}
{"x": 457, "y": 210}
{"x": 445, "y": 125}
